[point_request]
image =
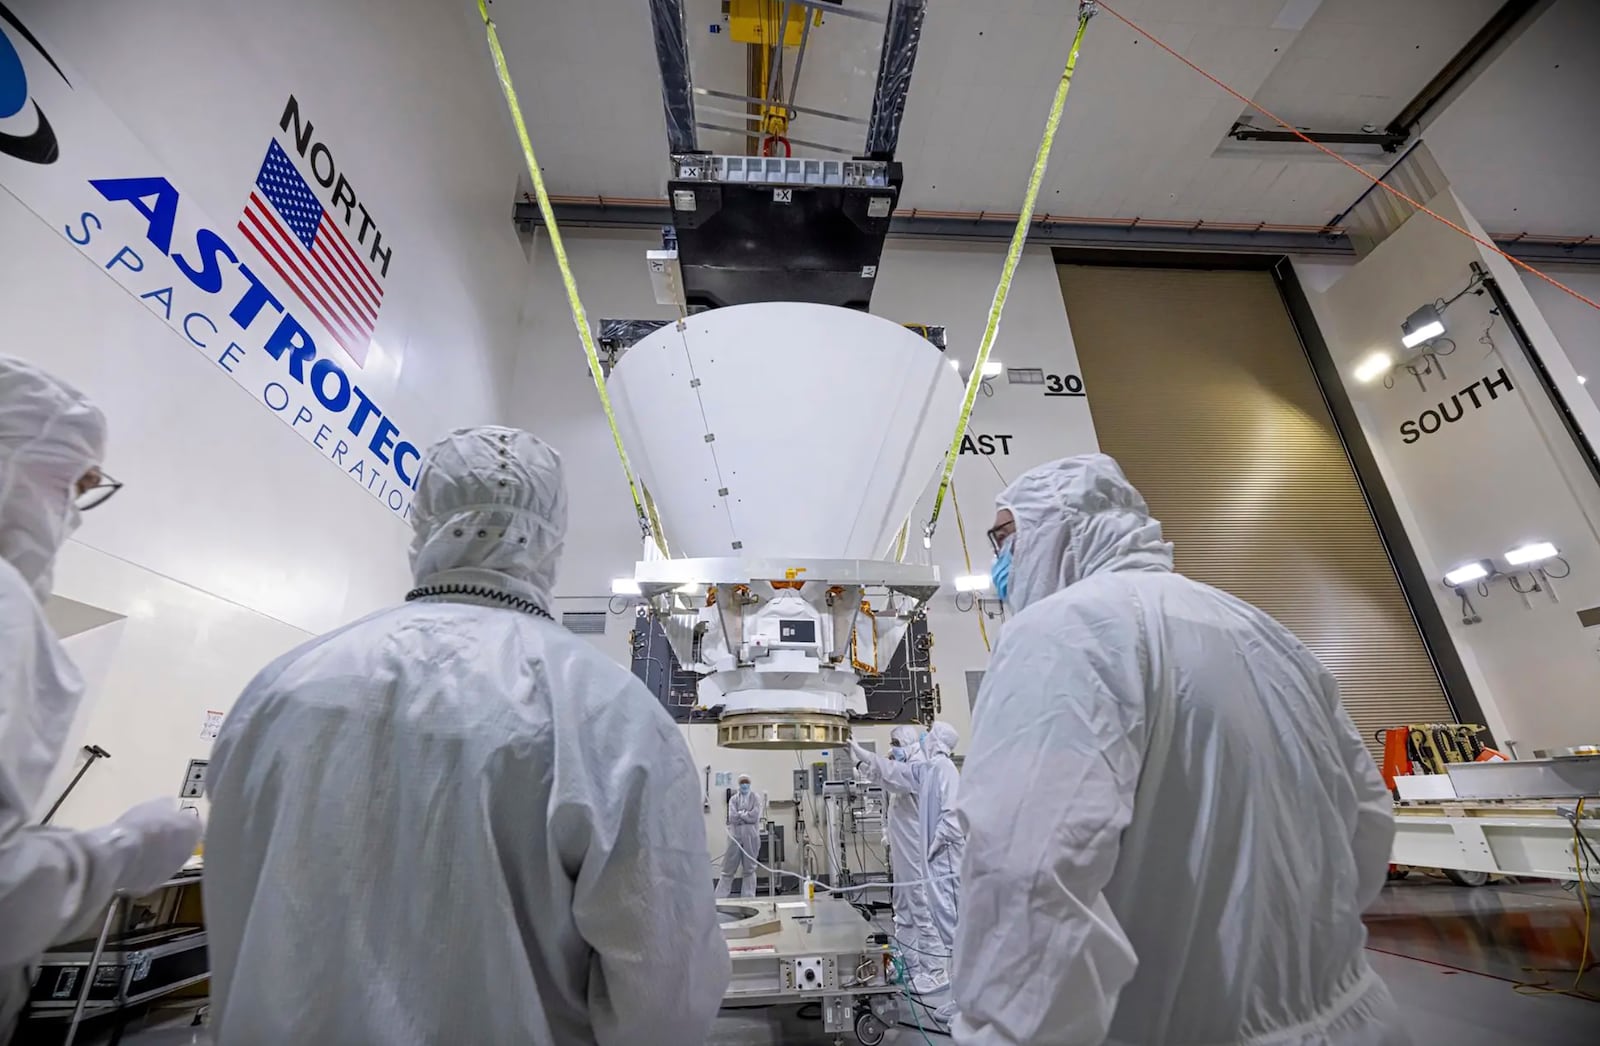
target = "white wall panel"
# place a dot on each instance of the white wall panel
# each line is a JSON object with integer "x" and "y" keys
{"x": 1576, "y": 325}
{"x": 1501, "y": 474}
{"x": 232, "y": 541}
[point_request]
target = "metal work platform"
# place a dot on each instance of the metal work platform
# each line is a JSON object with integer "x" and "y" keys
{"x": 791, "y": 951}
{"x": 1505, "y": 837}
{"x": 1507, "y": 818}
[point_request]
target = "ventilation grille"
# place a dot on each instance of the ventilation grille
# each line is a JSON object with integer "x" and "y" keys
{"x": 585, "y": 622}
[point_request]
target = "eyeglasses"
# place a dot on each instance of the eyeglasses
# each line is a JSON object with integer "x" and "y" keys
{"x": 998, "y": 536}
{"x": 95, "y": 489}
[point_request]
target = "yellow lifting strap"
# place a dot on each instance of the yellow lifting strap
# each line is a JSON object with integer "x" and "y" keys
{"x": 579, "y": 318}
{"x": 1019, "y": 236}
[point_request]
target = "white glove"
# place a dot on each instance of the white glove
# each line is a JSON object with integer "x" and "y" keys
{"x": 861, "y": 754}
{"x": 151, "y": 842}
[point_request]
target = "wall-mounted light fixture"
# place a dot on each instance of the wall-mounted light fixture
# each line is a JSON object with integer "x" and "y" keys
{"x": 993, "y": 368}
{"x": 1426, "y": 324}
{"x": 1418, "y": 334}
{"x": 1532, "y": 552}
{"x": 970, "y": 589}
{"x": 1529, "y": 572}
{"x": 1374, "y": 367}
{"x": 1467, "y": 573}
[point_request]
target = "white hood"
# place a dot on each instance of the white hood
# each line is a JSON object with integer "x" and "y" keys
{"x": 910, "y": 739}
{"x": 1076, "y": 517}
{"x": 50, "y": 435}
{"x": 491, "y": 509}
{"x": 942, "y": 738}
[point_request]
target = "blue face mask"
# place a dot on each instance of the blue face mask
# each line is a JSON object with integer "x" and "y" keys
{"x": 1000, "y": 573}
{"x": 744, "y": 787}
{"x": 897, "y": 753}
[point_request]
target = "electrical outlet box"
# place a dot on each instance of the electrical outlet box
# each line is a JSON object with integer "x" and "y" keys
{"x": 819, "y": 777}
{"x": 800, "y": 779}
{"x": 194, "y": 780}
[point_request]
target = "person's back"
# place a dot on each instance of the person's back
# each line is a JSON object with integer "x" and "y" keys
{"x": 456, "y": 822}
{"x": 1210, "y": 826}
{"x": 1230, "y": 835}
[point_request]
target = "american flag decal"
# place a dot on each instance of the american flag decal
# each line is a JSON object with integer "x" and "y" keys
{"x": 284, "y": 220}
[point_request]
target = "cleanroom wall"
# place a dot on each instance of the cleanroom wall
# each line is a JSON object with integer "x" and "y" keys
{"x": 1478, "y": 461}
{"x": 266, "y": 465}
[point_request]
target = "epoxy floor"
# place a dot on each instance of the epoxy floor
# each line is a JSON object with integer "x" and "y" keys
{"x": 1452, "y": 956}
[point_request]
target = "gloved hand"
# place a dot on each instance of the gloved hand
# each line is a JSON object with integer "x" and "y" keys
{"x": 861, "y": 754}
{"x": 152, "y": 840}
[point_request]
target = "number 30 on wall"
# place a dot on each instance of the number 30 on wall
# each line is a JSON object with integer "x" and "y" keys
{"x": 1063, "y": 385}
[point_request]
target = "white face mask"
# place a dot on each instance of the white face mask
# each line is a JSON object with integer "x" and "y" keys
{"x": 37, "y": 523}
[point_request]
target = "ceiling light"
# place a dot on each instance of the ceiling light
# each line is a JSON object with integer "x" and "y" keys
{"x": 1374, "y": 367}
{"x": 1533, "y": 552}
{"x": 993, "y": 369}
{"x": 973, "y": 583}
{"x": 1466, "y": 574}
{"x": 1582, "y": 380}
{"x": 955, "y": 364}
{"x": 1423, "y": 325}
{"x": 624, "y": 586}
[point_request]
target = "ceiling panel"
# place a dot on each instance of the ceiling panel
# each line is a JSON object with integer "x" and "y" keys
{"x": 1360, "y": 61}
{"x": 1142, "y": 136}
{"x": 1522, "y": 143}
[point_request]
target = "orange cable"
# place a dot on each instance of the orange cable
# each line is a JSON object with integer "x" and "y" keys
{"x": 1108, "y": 9}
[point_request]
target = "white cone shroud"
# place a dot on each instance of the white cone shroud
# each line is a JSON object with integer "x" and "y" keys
{"x": 783, "y": 429}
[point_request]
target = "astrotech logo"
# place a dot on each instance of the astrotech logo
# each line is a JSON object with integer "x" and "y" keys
{"x": 40, "y": 145}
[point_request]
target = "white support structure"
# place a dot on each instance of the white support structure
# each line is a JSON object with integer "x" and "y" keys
{"x": 1519, "y": 837}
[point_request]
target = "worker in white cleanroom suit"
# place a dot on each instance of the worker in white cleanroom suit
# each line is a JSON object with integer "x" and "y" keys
{"x": 744, "y": 840}
{"x": 55, "y": 883}
{"x": 940, "y": 827}
{"x": 456, "y": 821}
{"x": 1172, "y": 825}
{"x": 900, "y": 775}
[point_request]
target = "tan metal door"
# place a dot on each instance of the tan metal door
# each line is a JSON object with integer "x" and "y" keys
{"x": 1200, "y": 388}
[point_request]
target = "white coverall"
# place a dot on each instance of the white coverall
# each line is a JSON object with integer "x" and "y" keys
{"x": 55, "y": 883}
{"x": 744, "y": 840}
{"x": 454, "y": 820}
{"x": 1172, "y": 825}
{"x": 940, "y": 827}
{"x": 902, "y": 779}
